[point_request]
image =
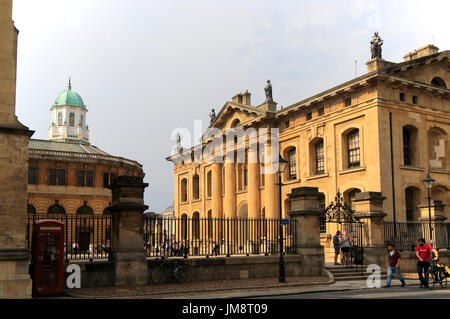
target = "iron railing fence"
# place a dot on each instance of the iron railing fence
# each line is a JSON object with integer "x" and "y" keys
{"x": 183, "y": 237}
{"x": 404, "y": 235}
{"x": 86, "y": 236}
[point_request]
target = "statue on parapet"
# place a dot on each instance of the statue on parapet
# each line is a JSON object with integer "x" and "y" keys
{"x": 212, "y": 115}
{"x": 375, "y": 46}
{"x": 268, "y": 91}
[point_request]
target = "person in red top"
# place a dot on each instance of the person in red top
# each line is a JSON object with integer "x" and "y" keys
{"x": 423, "y": 254}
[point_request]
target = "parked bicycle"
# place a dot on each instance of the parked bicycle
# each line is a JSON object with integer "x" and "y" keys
{"x": 169, "y": 269}
{"x": 436, "y": 275}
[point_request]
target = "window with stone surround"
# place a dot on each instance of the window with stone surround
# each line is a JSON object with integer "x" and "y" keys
{"x": 292, "y": 164}
{"x": 353, "y": 150}
{"x": 183, "y": 191}
{"x": 32, "y": 175}
{"x": 195, "y": 187}
{"x": 57, "y": 177}
{"x": 320, "y": 159}
{"x": 72, "y": 119}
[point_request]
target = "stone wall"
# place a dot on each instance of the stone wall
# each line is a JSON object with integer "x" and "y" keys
{"x": 408, "y": 260}
{"x": 96, "y": 274}
{"x": 247, "y": 267}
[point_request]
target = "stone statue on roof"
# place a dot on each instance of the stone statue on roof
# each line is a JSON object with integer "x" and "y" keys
{"x": 212, "y": 115}
{"x": 375, "y": 46}
{"x": 268, "y": 91}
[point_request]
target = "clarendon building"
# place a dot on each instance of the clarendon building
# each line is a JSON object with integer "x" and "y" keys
{"x": 382, "y": 131}
{"x": 67, "y": 176}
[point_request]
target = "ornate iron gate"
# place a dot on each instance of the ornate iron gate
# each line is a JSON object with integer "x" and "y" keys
{"x": 340, "y": 213}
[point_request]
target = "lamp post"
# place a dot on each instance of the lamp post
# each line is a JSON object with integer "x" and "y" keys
{"x": 281, "y": 167}
{"x": 428, "y": 184}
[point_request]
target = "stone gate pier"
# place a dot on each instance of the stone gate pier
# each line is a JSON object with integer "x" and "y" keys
{"x": 128, "y": 255}
{"x": 305, "y": 209}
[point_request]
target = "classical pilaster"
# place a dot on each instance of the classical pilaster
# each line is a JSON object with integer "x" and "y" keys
{"x": 216, "y": 190}
{"x": 253, "y": 195}
{"x": 271, "y": 199}
{"x": 229, "y": 205}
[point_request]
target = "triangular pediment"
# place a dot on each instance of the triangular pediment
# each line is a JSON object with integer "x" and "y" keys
{"x": 425, "y": 69}
{"x": 235, "y": 114}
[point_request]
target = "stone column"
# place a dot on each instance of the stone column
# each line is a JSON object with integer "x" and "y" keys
{"x": 15, "y": 281}
{"x": 305, "y": 213}
{"x": 130, "y": 265}
{"x": 270, "y": 189}
{"x": 368, "y": 208}
{"x": 216, "y": 191}
{"x": 253, "y": 195}
{"x": 229, "y": 205}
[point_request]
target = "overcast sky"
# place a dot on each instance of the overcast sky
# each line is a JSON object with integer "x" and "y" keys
{"x": 146, "y": 67}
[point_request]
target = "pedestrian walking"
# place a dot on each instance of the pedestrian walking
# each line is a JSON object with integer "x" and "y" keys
{"x": 394, "y": 266}
{"x": 345, "y": 248}
{"x": 337, "y": 246}
{"x": 423, "y": 254}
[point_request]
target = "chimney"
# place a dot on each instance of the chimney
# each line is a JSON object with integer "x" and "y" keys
{"x": 237, "y": 98}
{"x": 428, "y": 49}
{"x": 246, "y": 98}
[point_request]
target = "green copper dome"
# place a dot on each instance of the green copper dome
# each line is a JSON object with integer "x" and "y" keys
{"x": 69, "y": 97}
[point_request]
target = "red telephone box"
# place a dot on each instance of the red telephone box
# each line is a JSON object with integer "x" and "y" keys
{"x": 47, "y": 263}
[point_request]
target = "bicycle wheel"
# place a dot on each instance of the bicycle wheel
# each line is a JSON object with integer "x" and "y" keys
{"x": 183, "y": 274}
{"x": 431, "y": 279}
{"x": 158, "y": 276}
{"x": 442, "y": 278}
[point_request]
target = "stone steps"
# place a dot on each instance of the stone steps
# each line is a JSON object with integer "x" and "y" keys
{"x": 346, "y": 273}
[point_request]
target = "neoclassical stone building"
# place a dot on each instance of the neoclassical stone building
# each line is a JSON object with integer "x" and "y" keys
{"x": 381, "y": 131}
{"x": 66, "y": 174}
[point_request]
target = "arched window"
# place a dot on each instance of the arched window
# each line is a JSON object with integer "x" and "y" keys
{"x": 235, "y": 123}
{"x": 411, "y": 201}
{"x": 409, "y": 145}
{"x": 184, "y": 228}
{"x": 292, "y": 164}
{"x": 184, "y": 193}
{"x": 210, "y": 224}
{"x": 208, "y": 184}
{"x": 85, "y": 210}
{"x": 60, "y": 118}
{"x": 437, "y": 81}
{"x": 81, "y": 120}
{"x": 353, "y": 151}
{"x": 349, "y": 196}
{"x": 319, "y": 157}
{"x": 71, "y": 119}
{"x": 31, "y": 210}
{"x": 196, "y": 225}
{"x": 195, "y": 187}
{"x": 56, "y": 210}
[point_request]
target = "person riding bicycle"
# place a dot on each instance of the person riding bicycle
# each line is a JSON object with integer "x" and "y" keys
{"x": 423, "y": 254}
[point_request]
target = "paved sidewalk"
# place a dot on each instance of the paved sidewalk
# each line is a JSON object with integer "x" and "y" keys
{"x": 245, "y": 288}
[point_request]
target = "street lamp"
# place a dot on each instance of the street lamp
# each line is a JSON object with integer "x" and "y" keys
{"x": 281, "y": 167}
{"x": 428, "y": 184}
